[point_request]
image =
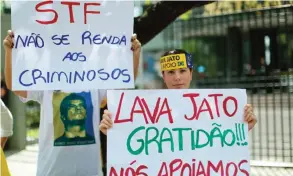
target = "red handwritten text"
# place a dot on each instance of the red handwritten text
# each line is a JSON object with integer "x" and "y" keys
{"x": 140, "y": 106}
{"x": 159, "y": 110}
{"x": 205, "y": 105}
{"x": 198, "y": 168}
{"x": 70, "y": 6}
{"x": 130, "y": 171}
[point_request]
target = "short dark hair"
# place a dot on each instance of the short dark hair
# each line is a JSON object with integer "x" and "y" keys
{"x": 66, "y": 102}
{"x": 175, "y": 51}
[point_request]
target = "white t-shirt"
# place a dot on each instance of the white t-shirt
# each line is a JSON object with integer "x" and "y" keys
{"x": 6, "y": 121}
{"x": 73, "y": 154}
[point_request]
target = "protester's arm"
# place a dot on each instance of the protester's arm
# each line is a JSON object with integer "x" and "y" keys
{"x": 8, "y": 45}
{"x": 136, "y": 48}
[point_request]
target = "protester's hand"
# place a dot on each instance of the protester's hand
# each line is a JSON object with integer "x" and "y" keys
{"x": 106, "y": 122}
{"x": 8, "y": 42}
{"x": 249, "y": 116}
{"x": 135, "y": 46}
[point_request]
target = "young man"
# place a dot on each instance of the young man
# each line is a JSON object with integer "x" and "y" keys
{"x": 69, "y": 140}
{"x": 178, "y": 77}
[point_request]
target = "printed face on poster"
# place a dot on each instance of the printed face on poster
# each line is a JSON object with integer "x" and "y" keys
{"x": 72, "y": 44}
{"x": 178, "y": 132}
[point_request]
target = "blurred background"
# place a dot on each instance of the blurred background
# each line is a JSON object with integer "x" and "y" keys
{"x": 241, "y": 44}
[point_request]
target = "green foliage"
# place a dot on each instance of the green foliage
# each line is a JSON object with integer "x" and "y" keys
{"x": 32, "y": 113}
{"x": 205, "y": 53}
{"x": 32, "y": 133}
{"x": 222, "y": 7}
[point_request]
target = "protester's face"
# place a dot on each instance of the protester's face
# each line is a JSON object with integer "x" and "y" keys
{"x": 76, "y": 110}
{"x": 178, "y": 78}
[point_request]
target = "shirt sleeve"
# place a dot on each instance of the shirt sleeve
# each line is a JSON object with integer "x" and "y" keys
{"x": 6, "y": 121}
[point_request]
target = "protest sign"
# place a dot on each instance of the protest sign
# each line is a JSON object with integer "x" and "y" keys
{"x": 178, "y": 133}
{"x": 72, "y": 45}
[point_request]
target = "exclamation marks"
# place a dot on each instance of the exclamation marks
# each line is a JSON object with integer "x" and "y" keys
{"x": 240, "y": 135}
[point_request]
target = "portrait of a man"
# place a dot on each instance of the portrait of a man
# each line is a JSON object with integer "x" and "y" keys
{"x": 73, "y": 113}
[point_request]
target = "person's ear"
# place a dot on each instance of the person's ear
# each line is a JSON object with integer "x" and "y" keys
{"x": 163, "y": 76}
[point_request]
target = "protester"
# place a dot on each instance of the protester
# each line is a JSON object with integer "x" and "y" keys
{"x": 69, "y": 140}
{"x": 178, "y": 77}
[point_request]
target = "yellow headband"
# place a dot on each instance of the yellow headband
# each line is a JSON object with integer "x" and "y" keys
{"x": 173, "y": 61}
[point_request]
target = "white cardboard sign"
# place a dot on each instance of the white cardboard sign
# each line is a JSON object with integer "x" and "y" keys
{"x": 72, "y": 44}
{"x": 178, "y": 132}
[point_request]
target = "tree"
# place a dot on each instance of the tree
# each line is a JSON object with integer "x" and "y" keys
{"x": 221, "y": 7}
{"x": 159, "y": 15}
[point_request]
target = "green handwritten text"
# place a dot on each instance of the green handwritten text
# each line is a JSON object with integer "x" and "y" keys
{"x": 141, "y": 138}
